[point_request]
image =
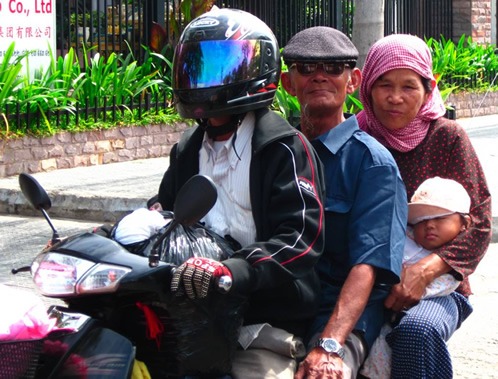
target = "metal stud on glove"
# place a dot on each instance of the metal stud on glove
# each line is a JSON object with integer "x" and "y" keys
{"x": 195, "y": 277}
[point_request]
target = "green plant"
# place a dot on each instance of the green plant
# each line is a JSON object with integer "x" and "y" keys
{"x": 93, "y": 18}
{"x": 118, "y": 77}
{"x": 69, "y": 85}
{"x": 83, "y": 25}
{"x": 285, "y": 104}
{"x": 188, "y": 10}
{"x": 353, "y": 104}
{"x": 9, "y": 80}
{"x": 38, "y": 93}
{"x": 159, "y": 64}
{"x": 465, "y": 65}
{"x": 64, "y": 85}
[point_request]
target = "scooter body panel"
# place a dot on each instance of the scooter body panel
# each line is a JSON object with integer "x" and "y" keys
{"x": 84, "y": 349}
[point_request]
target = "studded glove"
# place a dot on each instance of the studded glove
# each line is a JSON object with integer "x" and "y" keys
{"x": 197, "y": 276}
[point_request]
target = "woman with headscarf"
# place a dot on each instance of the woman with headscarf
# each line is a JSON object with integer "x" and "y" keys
{"x": 404, "y": 110}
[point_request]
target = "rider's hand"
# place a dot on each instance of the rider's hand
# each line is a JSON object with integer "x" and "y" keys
{"x": 196, "y": 276}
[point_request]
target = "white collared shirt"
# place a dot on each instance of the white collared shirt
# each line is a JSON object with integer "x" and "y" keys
{"x": 232, "y": 213}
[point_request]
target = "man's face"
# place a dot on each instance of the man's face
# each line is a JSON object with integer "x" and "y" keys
{"x": 318, "y": 91}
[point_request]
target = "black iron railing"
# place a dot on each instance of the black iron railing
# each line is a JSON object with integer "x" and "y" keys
{"x": 109, "y": 111}
{"x": 424, "y": 18}
{"x": 125, "y": 27}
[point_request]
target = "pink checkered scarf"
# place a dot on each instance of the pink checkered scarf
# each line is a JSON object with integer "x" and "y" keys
{"x": 392, "y": 52}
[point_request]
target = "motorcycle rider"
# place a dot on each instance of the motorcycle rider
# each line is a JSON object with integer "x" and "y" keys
{"x": 225, "y": 74}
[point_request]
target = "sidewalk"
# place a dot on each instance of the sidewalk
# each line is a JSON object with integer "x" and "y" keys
{"x": 476, "y": 122}
{"x": 104, "y": 193}
{"x": 100, "y": 193}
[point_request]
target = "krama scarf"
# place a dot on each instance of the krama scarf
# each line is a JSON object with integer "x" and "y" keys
{"x": 399, "y": 51}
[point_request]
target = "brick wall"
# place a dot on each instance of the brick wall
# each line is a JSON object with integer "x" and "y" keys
{"x": 472, "y": 18}
{"x": 474, "y": 104}
{"x": 65, "y": 150}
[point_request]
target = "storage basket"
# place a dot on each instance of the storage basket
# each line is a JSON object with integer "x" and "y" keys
{"x": 19, "y": 359}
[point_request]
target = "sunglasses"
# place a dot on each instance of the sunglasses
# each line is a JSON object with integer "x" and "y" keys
{"x": 334, "y": 69}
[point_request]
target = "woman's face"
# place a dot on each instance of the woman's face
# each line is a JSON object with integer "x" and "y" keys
{"x": 397, "y": 96}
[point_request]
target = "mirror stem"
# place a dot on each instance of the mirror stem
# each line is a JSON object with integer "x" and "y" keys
{"x": 55, "y": 235}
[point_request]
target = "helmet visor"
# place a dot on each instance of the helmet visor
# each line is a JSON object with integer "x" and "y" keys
{"x": 207, "y": 64}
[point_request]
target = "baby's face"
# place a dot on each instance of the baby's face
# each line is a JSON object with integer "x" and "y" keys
{"x": 436, "y": 232}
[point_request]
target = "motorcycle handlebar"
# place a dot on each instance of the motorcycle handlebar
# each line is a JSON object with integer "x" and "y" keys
{"x": 222, "y": 284}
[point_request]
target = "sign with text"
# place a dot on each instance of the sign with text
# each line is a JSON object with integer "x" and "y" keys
{"x": 30, "y": 24}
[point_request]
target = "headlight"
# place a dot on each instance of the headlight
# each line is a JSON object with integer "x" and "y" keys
{"x": 62, "y": 275}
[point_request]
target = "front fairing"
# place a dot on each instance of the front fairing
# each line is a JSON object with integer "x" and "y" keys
{"x": 94, "y": 247}
{"x": 99, "y": 249}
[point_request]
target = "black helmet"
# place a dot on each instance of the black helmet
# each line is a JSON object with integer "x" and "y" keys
{"x": 227, "y": 62}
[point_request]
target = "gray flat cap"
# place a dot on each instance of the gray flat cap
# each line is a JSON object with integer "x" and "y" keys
{"x": 320, "y": 43}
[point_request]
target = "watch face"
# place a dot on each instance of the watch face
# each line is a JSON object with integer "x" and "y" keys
{"x": 330, "y": 345}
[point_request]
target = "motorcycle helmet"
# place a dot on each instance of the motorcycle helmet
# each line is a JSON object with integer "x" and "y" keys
{"x": 227, "y": 61}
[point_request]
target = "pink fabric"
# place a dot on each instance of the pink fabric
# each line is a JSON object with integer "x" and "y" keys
{"x": 399, "y": 51}
{"x": 23, "y": 316}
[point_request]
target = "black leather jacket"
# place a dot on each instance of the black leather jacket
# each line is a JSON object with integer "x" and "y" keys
{"x": 286, "y": 184}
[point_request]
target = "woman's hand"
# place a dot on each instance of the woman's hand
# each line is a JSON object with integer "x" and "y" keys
{"x": 414, "y": 279}
{"x": 409, "y": 291}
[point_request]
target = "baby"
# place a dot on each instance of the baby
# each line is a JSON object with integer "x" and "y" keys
{"x": 437, "y": 213}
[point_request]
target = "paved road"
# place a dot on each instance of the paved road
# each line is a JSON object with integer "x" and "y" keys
{"x": 23, "y": 238}
{"x": 474, "y": 347}
{"x": 485, "y": 139}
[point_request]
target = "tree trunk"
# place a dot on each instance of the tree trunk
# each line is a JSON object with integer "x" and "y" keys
{"x": 368, "y": 25}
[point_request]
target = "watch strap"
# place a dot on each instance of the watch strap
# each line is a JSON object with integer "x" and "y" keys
{"x": 321, "y": 342}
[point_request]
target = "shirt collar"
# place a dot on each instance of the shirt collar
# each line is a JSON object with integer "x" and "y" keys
{"x": 336, "y": 137}
{"x": 244, "y": 135}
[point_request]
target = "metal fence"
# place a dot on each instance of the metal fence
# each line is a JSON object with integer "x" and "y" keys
{"x": 124, "y": 26}
{"x": 287, "y": 17}
{"x": 424, "y": 18}
{"x": 105, "y": 26}
{"x": 109, "y": 111}
{"x": 118, "y": 25}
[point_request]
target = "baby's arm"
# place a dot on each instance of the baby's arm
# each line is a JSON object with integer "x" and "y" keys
{"x": 441, "y": 286}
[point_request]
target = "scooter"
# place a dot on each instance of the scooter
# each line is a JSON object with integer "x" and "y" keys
{"x": 119, "y": 306}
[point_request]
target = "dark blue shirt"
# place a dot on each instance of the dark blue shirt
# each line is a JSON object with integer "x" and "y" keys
{"x": 365, "y": 216}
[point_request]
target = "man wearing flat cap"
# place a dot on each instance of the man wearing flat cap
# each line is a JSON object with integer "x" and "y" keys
{"x": 366, "y": 205}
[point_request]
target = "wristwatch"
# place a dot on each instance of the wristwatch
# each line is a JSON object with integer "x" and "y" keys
{"x": 330, "y": 345}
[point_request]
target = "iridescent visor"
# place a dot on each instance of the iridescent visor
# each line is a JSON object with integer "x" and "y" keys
{"x": 214, "y": 63}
